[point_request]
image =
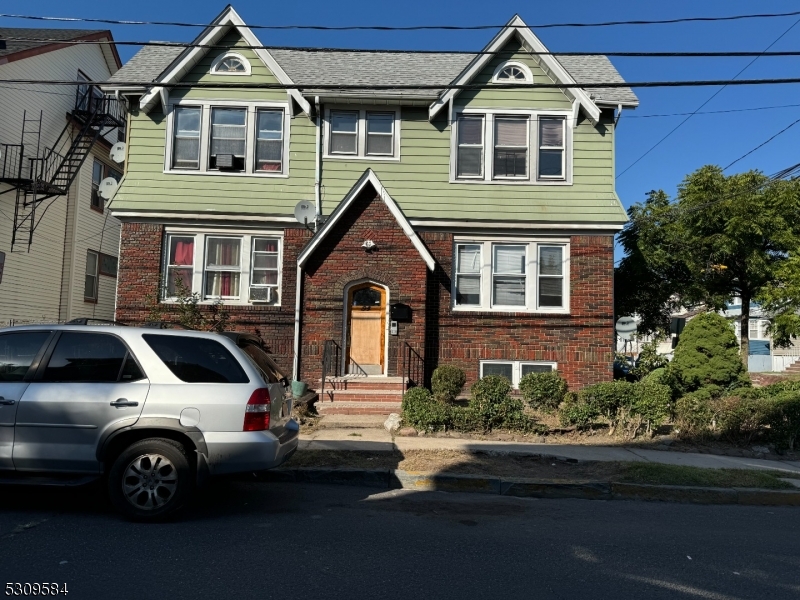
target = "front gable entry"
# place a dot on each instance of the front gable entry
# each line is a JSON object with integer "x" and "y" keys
{"x": 516, "y": 28}
{"x": 367, "y": 179}
{"x": 213, "y": 35}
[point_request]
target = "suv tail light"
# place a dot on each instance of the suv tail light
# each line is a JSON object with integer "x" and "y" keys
{"x": 256, "y": 413}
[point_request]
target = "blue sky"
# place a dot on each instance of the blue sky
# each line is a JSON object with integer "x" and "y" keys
{"x": 704, "y": 139}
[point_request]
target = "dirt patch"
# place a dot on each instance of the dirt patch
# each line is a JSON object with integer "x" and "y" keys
{"x": 534, "y": 467}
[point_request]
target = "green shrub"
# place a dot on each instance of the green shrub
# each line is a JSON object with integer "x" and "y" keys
{"x": 693, "y": 414}
{"x": 607, "y": 397}
{"x": 650, "y": 407}
{"x": 783, "y": 416}
{"x": 739, "y": 418}
{"x": 492, "y": 407}
{"x": 780, "y": 387}
{"x": 447, "y": 382}
{"x": 422, "y": 411}
{"x": 660, "y": 375}
{"x": 707, "y": 354}
{"x": 543, "y": 391}
{"x": 649, "y": 359}
{"x": 574, "y": 410}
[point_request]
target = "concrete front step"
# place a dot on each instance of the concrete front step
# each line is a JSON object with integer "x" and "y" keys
{"x": 357, "y": 408}
{"x": 362, "y": 396}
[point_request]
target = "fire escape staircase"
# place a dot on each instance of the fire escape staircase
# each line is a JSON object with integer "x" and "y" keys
{"x": 37, "y": 175}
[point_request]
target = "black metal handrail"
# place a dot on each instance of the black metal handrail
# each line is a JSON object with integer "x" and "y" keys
{"x": 331, "y": 362}
{"x": 413, "y": 372}
{"x": 11, "y": 162}
{"x": 91, "y": 102}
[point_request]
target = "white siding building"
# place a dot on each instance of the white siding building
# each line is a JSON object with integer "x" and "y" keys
{"x": 69, "y": 270}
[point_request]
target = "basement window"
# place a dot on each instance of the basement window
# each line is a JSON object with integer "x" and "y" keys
{"x": 514, "y": 370}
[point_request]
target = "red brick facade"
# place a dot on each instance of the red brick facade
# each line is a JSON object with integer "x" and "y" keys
{"x": 580, "y": 342}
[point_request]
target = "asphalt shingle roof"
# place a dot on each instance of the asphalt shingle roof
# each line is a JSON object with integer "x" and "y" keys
{"x": 40, "y": 37}
{"x": 311, "y": 69}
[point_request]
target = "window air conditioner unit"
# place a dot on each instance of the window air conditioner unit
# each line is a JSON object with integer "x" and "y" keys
{"x": 264, "y": 295}
{"x": 224, "y": 161}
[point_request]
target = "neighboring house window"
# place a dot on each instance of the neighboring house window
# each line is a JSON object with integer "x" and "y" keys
{"x": 186, "y": 140}
{"x": 364, "y": 134}
{"x": 97, "y": 177}
{"x": 230, "y": 64}
{"x": 493, "y": 146}
{"x": 90, "y": 281}
{"x": 514, "y": 370}
{"x": 518, "y": 276}
{"x": 108, "y": 265}
{"x": 228, "y": 138}
{"x": 551, "y": 148}
{"x": 469, "y": 162}
{"x": 512, "y": 72}
{"x": 511, "y": 147}
{"x": 344, "y": 132}
{"x": 251, "y": 139}
{"x": 269, "y": 140}
{"x": 236, "y": 268}
{"x": 2, "y": 265}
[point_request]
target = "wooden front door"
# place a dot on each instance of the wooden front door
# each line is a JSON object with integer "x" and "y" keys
{"x": 366, "y": 326}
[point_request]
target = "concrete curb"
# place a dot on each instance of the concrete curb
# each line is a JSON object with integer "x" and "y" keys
{"x": 392, "y": 479}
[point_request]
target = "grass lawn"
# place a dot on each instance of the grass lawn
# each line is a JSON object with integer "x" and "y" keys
{"x": 533, "y": 467}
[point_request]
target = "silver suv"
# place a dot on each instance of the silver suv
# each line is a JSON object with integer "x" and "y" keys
{"x": 153, "y": 411}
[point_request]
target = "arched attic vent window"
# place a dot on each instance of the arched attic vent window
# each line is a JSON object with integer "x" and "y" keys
{"x": 512, "y": 72}
{"x": 230, "y": 64}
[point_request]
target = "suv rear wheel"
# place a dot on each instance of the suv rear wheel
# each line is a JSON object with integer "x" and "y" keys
{"x": 150, "y": 479}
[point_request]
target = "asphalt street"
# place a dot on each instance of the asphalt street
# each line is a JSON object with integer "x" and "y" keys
{"x": 245, "y": 539}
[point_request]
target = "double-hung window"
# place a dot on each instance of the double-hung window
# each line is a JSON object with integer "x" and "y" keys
{"x": 90, "y": 280}
{"x": 363, "y": 134}
{"x": 269, "y": 140}
{"x": 515, "y": 276}
{"x": 186, "y": 140}
{"x": 97, "y": 177}
{"x": 247, "y": 139}
{"x": 551, "y": 148}
{"x": 344, "y": 132}
{"x": 511, "y": 147}
{"x": 235, "y": 268}
{"x": 228, "y": 139}
{"x": 514, "y": 147}
{"x": 469, "y": 162}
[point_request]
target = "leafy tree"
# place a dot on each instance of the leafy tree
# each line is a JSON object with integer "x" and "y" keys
{"x": 725, "y": 236}
{"x": 707, "y": 355}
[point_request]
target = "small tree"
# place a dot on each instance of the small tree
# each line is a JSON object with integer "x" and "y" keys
{"x": 447, "y": 382}
{"x": 707, "y": 355}
{"x": 187, "y": 305}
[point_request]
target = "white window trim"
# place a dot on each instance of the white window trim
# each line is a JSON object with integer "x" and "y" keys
{"x": 361, "y": 133}
{"x": 533, "y": 146}
{"x": 516, "y": 368}
{"x": 527, "y": 156}
{"x": 563, "y": 149}
{"x": 205, "y": 137}
{"x": 223, "y": 56}
{"x": 531, "y": 275}
{"x": 198, "y": 273}
{"x": 96, "y": 276}
{"x": 513, "y": 63}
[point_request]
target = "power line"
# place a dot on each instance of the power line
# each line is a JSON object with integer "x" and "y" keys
{"x": 420, "y": 86}
{"x": 714, "y": 95}
{"x": 713, "y": 112}
{"x": 323, "y": 49}
{"x": 413, "y": 27}
{"x": 761, "y": 145}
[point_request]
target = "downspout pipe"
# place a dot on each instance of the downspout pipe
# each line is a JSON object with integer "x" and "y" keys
{"x": 318, "y": 165}
{"x": 298, "y": 290}
{"x": 619, "y": 115}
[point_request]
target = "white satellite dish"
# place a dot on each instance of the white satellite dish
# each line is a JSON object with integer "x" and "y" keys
{"x": 304, "y": 212}
{"x": 107, "y": 188}
{"x": 626, "y": 327}
{"x": 117, "y": 153}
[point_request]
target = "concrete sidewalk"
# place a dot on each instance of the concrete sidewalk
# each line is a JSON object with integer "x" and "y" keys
{"x": 379, "y": 440}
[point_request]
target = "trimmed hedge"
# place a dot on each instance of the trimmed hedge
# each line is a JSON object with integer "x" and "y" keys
{"x": 447, "y": 382}
{"x": 543, "y": 391}
{"x": 421, "y": 411}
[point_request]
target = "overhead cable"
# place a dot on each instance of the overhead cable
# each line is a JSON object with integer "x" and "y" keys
{"x": 413, "y": 27}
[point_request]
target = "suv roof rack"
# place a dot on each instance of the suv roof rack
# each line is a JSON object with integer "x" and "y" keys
{"x": 85, "y": 321}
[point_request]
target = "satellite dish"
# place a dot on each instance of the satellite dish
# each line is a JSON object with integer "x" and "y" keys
{"x": 117, "y": 153}
{"x": 626, "y": 327}
{"x": 304, "y": 212}
{"x": 107, "y": 188}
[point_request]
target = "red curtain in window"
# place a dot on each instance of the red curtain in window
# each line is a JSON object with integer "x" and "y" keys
{"x": 184, "y": 253}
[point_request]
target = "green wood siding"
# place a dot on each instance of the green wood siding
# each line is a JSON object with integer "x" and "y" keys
{"x": 419, "y": 181}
